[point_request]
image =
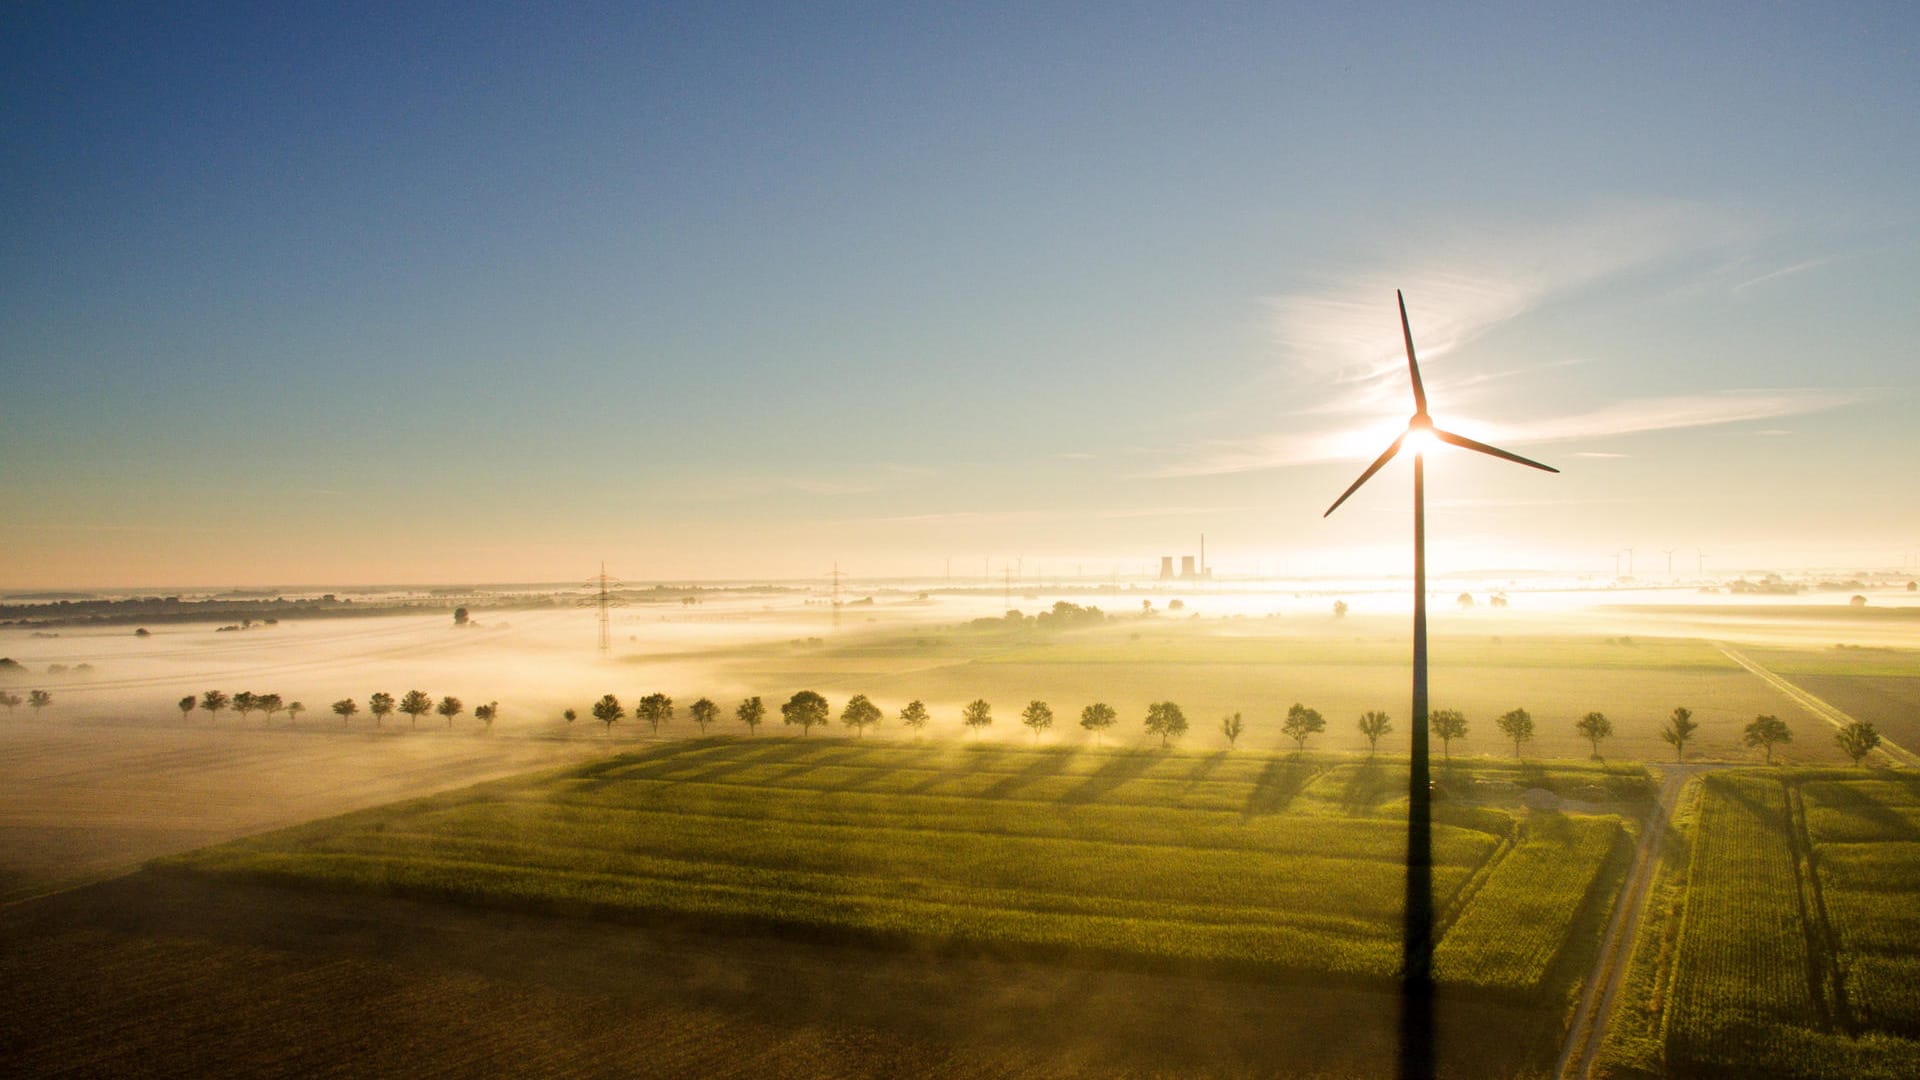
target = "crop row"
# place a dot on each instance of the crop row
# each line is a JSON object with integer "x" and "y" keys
{"x": 1741, "y": 973}
{"x": 1516, "y": 925}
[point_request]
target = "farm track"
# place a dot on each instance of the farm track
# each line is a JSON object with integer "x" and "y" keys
{"x": 1832, "y": 715}
{"x": 1597, "y": 999}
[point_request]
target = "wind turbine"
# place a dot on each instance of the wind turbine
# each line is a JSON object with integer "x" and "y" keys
{"x": 1416, "y": 972}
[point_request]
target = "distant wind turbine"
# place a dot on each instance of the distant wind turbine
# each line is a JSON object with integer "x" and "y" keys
{"x": 1416, "y": 973}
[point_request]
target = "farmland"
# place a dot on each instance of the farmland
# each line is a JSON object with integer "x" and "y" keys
{"x": 1287, "y": 867}
{"x": 1786, "y": 940}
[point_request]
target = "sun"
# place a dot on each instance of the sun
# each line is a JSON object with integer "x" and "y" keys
{"x": 1420, "y": 440}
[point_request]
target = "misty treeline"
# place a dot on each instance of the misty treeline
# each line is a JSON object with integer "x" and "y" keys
{"x": 808, "y": 709}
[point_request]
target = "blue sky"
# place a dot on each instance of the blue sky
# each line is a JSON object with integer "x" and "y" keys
{"x": 381, "y": 294}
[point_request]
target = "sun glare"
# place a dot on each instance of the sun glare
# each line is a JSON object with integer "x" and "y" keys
{"x": 1419, "y": 441}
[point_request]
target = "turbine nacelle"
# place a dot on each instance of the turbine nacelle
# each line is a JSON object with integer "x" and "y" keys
{"x": 1420, "y": 425}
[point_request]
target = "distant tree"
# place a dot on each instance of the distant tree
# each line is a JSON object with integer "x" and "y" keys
{"x": 1448, "y": 725}
{"x": 860, "y": 714}
{"x": 245, "y": 702}
{"x": 1373, "y": 725}
{"x": 186, "y": 706}
{"x": 1038, "y": 715}
{"x": 703, "y": 712}
{"x": 1465, "y": 600}
{"x": 806, "y": 709}
{"x": 1302, "y": 722}
{"x": 10, "y": 700}
{"x": 1165, "y": 719}
{"x": 1339, "y": 609}
{"x": 40, "y": 699}
{"x": 1593, "y": 727}
{"x": 381, "y": 706}
{"x": 914, "y": 716}
{"x": 1518, "y": 726}
{"x": 751, "y": 712}
{"x": 570, "y": 715}
{"x": 977, "y": 714}
{"x": 1097, "y": 718}
{"x": 1680, "y": 728}
{"x": 487, "y": 713}
{"x": 450, "y": 707}
{"x": 344, "y": 709}
{"x": 1231, "y": 727}
{"x": 1765, "y": 732}
{"x": 213, "y": 701}
{"x": 143, "y": 632}
{"x": 607, "y": 710}
{"x": 294, "y": 709}
{"x": 1858, "y": 739}
{"x": 269, "y": 704}
{"x": 460, "y": 616}
{"x": 416, "y": 704}
{"x": 656, "y": 709}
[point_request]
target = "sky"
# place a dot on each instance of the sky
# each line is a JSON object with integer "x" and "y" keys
{"x": 417, "y": 293}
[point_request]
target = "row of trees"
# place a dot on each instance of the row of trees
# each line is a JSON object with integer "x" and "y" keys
{"x": 414, "y": 703}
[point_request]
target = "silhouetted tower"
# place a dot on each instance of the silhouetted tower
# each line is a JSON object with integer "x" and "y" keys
{"x": 603, "y": 600}
{"x": 836, "y": 585}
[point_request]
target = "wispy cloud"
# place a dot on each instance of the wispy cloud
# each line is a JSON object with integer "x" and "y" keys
{"x": 1796, "y": 268}
{"x": 1629, "y": 417}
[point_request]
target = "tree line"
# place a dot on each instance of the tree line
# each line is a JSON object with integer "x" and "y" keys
{"x": 808, "y": 710}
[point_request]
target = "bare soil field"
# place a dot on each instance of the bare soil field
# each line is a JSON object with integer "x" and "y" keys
{"x": 162, "y": 976}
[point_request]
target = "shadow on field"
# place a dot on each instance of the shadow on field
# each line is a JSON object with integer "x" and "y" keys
{"x": 1279, "y": 782}
{"x": 891, "y": 761}
{"x": 1045, "y": 763}
{"x": 261, "y": 980}
{"x": 1848, "y": 800}
{"x": 1122, "y": 766}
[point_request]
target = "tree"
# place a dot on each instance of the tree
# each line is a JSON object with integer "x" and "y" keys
{"x": 1858, "y": 739}
{"x": 1038, "y": 715}
{"x": 1518, "y": 726}
{"x": 1593, "y": 727}
{"x": 1097, "y": 718}
{"x": 416, "y": 704}
{"x": 750, "y": 712}
{"x": 1165, "y": 719}
{"x": 570, "y": 715}
{"x": 1447, "y": 725}
{"x": 450, "y": 707}
{"x": 40, "y": 699}
{"x": 805, "y": 708}
{"x": 1231, "y": 727}
{"x": 1765, "y": 731}
{"x": 860, "y": 714}
{"x": 294, "y": 709}
{"x": 1680, "y": 728}
{"x": 914, "y": 715}
{"x": 344, "y": 709}
{"x": 10, "y": 700}
{"x": 487, "y": 713}
{"x": 1374, "y": 724}
{"x": 186, "y": 705}
{"x": 1302, "y": 722}
{"x": 269, "y": 704}
{"x": 703, "y": 713}
{"x": 213, "y": 701}
{"x": 977, "y": 714}
{"x": 381, "y": 706}
{"x": 607, "y": 710}
{"x": 245, "y": 702}
{"x": 1339, "y": 609}
{"x": 656, "y": 708}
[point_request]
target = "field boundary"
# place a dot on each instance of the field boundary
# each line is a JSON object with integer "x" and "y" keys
{"x": 1838, "y": 718}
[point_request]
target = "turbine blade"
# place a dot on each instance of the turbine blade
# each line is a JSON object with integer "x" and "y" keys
{"x": 1413, "y": 366}
{"x": 1463, "y": 441}
{"x": 1378, "y": 463}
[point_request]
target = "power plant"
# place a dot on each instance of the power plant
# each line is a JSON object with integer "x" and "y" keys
{"x": 1190, "y": 570}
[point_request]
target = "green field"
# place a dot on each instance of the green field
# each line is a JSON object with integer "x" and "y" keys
{"x": 1787, "y": 940}
{"x": 1278, "y": 866}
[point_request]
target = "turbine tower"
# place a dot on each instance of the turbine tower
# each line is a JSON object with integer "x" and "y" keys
{"x": 1416, "y": 971}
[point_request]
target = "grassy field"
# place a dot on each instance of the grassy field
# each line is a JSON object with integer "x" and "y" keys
{"x": 1280, "y": 866}
{"x": 1786, "y": 940}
